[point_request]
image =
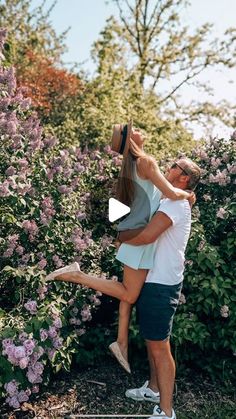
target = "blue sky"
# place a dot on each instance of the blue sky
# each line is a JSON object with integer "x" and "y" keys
{"x": 87, "y": 18}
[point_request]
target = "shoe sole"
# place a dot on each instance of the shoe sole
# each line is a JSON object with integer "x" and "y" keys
{"x": 67, "y": 269}
{"x": 142, "y": 399}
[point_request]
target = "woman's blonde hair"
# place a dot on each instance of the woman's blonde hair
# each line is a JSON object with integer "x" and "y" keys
{"x": 125, "y": 185}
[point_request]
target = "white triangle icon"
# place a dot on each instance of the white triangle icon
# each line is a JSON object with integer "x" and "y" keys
{"x": 117, "y": 210}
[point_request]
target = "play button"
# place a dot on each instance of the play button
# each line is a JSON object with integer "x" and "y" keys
{"x": 117, "y": 210}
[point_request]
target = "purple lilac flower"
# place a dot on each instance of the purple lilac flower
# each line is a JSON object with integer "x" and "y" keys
{"x": 221, "y": 213}
{"x": 50, "y": 142}
{"x": 51, "y": 353}
{"x": 23, "y": 363}
{"x": 19, "y": 352}
{"x": 57, "y": 343}
{"x": 231, "y": 168}
{"x": 30, "y": 226}
{"x": 85, "y": 313}
{"x": 31, "y": 306}
{"x": 48, "y": 210}
{"x": 23, "y": 396}
{"x": 8, "y": 253}
{"x": 4, "y": 189}
{"x": 20, "y": 250}
{"x": 6, "y": 342}
{"x": 94, "y": 300}
{"x": 13, "y": 402}
{"x": 52, "y": 332}
{"x": 11, "y": 387}
{"x": 43, "y": 334}
{"x": 25, "y": 103}
{"x": 12, "y": 240}
{"x": 25, "y": 258}
{"x": 58, "y": 262}
{"x": 106, "y": 241}
{"x": 42, "y": 263}
{"x": 64, "y": 189}
{"x": 42, "y": 290}
{"x": 79, "y": 168}
{"x": 10, "y": 171}
{"x": 33, "y": 377}
{"x": 80, "y": 215}
{"x": 71, "y": 301}
{"x": 57, "y": 323}
{"x": 23, "y": 336}
{"x": 29, "y": 345}
{"x": 36, "y": 355}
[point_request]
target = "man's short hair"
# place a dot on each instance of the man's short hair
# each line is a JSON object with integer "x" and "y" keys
{"x": 193, "y": 170}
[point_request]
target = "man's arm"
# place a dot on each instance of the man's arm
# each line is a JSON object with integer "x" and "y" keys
{"x": 159, "y": 223}
{"x": 126, "y": 235}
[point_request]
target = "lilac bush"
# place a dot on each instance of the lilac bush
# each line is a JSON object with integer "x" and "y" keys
{"x": 52, "y": 213}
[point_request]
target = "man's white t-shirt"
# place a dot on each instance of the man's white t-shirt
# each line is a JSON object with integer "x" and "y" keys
{"x": 169, "y": 256}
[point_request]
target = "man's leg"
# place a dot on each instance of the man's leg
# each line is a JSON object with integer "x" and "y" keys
{"x": 165, "y": 372}
{"x": 153, "y": 382}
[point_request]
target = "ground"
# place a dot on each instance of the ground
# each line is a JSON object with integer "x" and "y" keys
{"x": 100, "y": 391}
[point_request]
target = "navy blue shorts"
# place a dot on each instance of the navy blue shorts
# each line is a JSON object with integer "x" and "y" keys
{"x": 156, "y": 307}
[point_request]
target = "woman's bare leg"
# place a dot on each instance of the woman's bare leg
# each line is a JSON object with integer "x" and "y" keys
{"x": 125, "y": 308}
{"x": 123, "y": 327}
{"x": 127, "y": 291}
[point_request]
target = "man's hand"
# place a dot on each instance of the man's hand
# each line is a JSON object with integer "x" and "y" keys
{"x": 126, "y": 235}
{"x": 117, "y": 244}
{"x": 192, "y": 198}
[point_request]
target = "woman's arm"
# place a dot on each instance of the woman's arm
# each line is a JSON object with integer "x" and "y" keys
{"x": 148, "y": 168}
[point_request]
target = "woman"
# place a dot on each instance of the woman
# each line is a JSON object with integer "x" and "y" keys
{"x": 140, "y": 186}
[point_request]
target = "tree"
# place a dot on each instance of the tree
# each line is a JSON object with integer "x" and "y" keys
{"x": 49, "y": 87}
{"x": 35, "y": 50}
{"x": 161, "y": 49}
{"x": 115, "y": 94}
{"x": 29, "y": 29}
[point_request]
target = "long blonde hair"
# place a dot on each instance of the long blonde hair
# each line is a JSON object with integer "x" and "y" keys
{"x": 125, "y": 185}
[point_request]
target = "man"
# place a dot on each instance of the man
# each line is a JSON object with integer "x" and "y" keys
{"x": 159, "y": 297}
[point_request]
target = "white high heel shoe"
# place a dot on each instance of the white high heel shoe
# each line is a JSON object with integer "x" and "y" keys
{"x": 73, "y": 267}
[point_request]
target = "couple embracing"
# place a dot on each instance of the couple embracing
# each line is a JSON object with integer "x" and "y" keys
{"x": 151, "y": 244}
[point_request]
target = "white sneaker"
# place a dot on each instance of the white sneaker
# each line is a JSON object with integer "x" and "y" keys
{"x": 73, "y": 267}
{"x": 158, "y": 413}
{"x": 143, "y": 393}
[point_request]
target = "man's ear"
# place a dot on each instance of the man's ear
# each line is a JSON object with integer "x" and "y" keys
{"x": 184, "y": 179}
